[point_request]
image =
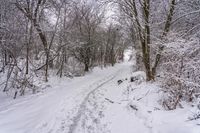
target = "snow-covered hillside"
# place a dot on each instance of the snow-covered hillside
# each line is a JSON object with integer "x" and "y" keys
{"x": 95, "y": 103}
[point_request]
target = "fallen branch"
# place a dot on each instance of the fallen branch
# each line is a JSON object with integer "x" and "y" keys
{"x": 134, "y": 107}
{"x": 109, "y": 100}
{"x": 143, "y": 96}
{"x": 194, "y": 117}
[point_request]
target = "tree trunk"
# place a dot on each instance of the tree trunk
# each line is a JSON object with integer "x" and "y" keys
{"x": 86, "y": 67}
{"x": 28, "y": 39}
{"x": 146, "y": 41}
{"x": 165, "y": 31}
{"x": 5, "y": 58}
{"x": 27, "y": 54}
{"x": 47, "y": 66}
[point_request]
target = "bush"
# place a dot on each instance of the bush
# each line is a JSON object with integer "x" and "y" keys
{"x": 180, "y": 72}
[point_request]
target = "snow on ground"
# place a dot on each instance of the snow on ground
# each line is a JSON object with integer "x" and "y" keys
{"x": 56, "y": 108}
{"x": 133, "y": 108}
{"x": 95, "y": 103}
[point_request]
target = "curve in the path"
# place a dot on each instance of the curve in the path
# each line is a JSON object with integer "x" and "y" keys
{"x": 82, "y": 107}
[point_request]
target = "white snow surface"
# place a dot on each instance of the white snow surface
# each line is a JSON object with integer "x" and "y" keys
{"x": 95, "y": 103}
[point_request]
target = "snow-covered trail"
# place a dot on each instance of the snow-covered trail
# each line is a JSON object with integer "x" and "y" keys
{"x": 58, "y": 109}
{"x": 132, "y": 107}
{"x": 105, "y": 110}
{"x": 95, "y": 103}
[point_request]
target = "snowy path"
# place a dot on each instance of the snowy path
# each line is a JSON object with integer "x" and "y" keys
{"x": 131, "y": 108}
{"x": 95, "y": 103}
{"x": 105, "y": 111}
{"x": 82, "y": 108}
{"x": 57, "y": 110}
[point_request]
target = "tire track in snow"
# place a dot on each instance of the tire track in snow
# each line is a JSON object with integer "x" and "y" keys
{"x": 82, "y": 107}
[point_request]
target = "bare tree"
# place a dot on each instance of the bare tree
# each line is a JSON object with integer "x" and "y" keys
{"x": 87, "y": 20}
{"x": 139, "y": 13}
{"x": 34, "y": 10}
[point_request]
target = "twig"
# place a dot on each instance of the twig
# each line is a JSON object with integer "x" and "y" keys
{"x": 134, "y": 107}
{"x": 109, "y": 100}
{"x": 144, "y": 95}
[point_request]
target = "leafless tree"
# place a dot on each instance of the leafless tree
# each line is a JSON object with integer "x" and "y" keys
{"x": 139, "y": 13}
